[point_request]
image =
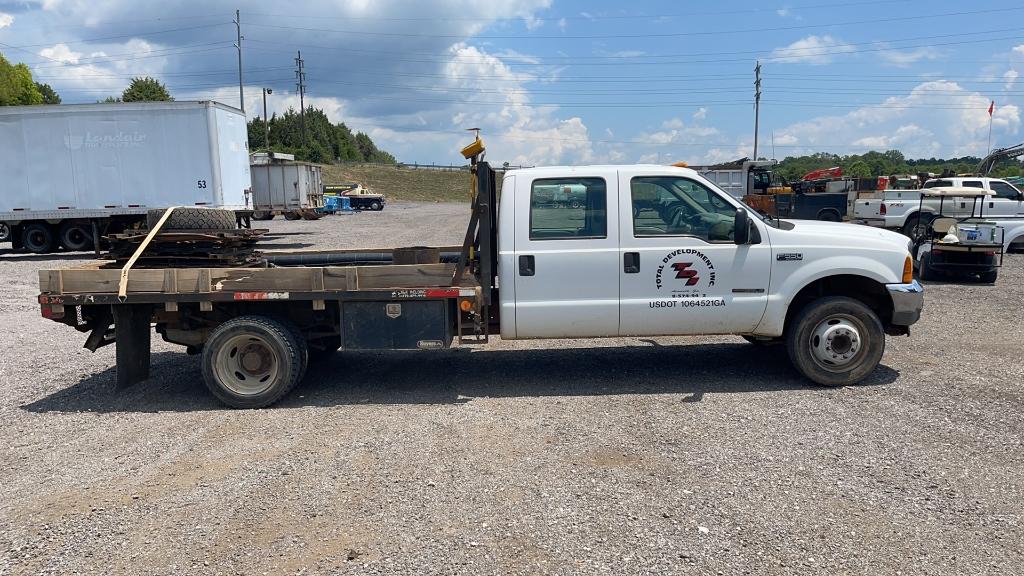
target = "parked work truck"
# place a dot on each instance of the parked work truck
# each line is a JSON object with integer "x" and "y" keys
{"x": 72, "y": 173}
{"x": 651, "y": 251}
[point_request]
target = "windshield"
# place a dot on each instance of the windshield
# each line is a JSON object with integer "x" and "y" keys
{"x": 762, "y": 217}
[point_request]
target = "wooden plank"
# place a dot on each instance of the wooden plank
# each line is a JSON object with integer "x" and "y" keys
{"x": 201, "y": 280}
{"x": 337, "y": 278}
{"x": 170, "y": 281}
{"x": 408, "y": 276}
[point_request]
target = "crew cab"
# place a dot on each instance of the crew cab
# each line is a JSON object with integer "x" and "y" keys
{"x": 646, "y": 251}
{"x": 902, "y": 209}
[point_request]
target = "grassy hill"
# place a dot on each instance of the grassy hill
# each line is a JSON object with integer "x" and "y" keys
{"x": 417, "y": 184}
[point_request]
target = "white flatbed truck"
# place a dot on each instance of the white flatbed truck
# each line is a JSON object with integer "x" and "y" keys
{"x": 651, "y": 251}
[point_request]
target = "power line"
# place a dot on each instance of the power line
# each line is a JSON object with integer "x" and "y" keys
{"x": 716, "y": 32}
{"x": 585, "y": 18}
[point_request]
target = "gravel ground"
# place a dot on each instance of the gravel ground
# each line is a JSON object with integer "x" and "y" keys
{"x": 622, "y": 456}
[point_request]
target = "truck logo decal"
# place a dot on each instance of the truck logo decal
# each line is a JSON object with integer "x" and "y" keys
{"x": 694, "y": 272}
{"x": 789, "y": 257}
{"x": 683, "y": 271}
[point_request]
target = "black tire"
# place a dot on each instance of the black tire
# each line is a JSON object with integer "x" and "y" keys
{"x": 925, "y": 271}
{"x": 193, "y": 219}
{"x": 292, "y": 215}
{"x": 5, "y": 232}
{"x": 835, "y": 341}
{"x": 911, "y": 226}
{"x": 829, "y": 216}
{"x": 277, "y": 350}
{"x": 375, "y": 205}
{"x": 262, "y": 215}
{"x": 989, "y": 277}
{"x": 38, "y": 238}
{"x": 75, "y": 236}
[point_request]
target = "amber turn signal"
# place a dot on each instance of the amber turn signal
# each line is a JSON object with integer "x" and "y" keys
{"x": 908, "y": 270}
{"x": 465, "y": 305}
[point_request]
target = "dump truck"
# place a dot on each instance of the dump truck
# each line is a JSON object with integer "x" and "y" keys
{"x": 651, "y": 251}
{"x": 73, "y": 173}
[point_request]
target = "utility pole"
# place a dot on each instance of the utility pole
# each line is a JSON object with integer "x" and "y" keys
{"x": 300, "y": 86}
{"x": 238, "y": 44}
{"x": 266, "y": 119}
{"x": 757, "y": 103}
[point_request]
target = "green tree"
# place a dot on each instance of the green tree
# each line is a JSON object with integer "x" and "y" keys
{"x": 146, "y": 90}
{"x": 858, "y": 169}
{"x": 323, "y": 142}
{"x": 16, "y": 85}
{"x": 50, "y": 95}
{"x": 109, "y": 100}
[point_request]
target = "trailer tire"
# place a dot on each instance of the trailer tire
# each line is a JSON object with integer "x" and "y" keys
{"x": 829, "y": 216}
{"x": 253, "y": 361}
{"x": 5, "y": 232}
{"x": 193, "y": 219}
{"x": 75, "y": 236}
{"x": 292, "y": 215}
{"x": 38, "y": 238}
{"x": 835, "y": 341}
{"x": 262, "y": 215}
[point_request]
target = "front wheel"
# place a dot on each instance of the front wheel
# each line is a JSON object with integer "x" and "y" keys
{"x": 375, "y": 205}
{"x": 5, "y": 232}
{"x": 917, "y": 226}
{"x": 253, "y": 361}
{"x": 835, "y": 341}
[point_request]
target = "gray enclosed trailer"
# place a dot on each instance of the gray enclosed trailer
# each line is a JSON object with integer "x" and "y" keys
{"x": 282, "y": 186}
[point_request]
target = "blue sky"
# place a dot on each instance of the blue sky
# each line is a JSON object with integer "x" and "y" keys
{"x": 553, "y": 81}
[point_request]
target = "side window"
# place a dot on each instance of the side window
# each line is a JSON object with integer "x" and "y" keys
{"x": 937, "y": 184}
{"x": 564, "y": 208}
{"x": 973, "y": 184}
{"x": 1004, "y": 190}
{"x": 675, "y": 206}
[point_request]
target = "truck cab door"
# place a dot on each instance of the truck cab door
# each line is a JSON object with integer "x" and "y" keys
{"x": 680, "y": 270}
{"x": 566, "y": 257}
{"x": 1006, "y": 202}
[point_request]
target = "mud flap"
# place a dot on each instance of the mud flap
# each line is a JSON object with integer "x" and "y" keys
{"x": 132, "y": 332}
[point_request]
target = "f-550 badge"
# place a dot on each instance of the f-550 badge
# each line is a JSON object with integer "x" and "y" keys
{"x": 789, "y": 256}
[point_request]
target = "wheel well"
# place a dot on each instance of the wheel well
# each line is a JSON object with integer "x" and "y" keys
{"x": 873, "y": 294}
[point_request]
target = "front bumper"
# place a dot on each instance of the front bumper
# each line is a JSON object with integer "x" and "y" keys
{"x": 907, "y": 302}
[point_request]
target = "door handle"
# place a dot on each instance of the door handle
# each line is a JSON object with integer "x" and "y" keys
{"x": 631, "y": 262}
{"x": 527, "y": 266}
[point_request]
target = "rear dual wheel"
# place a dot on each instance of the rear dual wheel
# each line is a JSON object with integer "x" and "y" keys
{"x": 76, "y": 236}
{"x": 253, "y": 361}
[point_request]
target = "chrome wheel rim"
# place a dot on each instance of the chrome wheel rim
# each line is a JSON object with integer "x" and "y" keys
{"x": 836, "y": 342}
{"x": 247, "y": 365}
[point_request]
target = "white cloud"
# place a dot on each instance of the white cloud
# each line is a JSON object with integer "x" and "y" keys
{"x": 562, "y": 24}
{"x": 700, "y": 114}
{"x": 905, "y": 58}
{"x": 5, "y": 20}
{"x": 816, "y": 50}
{"x": 937, "y": 118}
{"x": 1010, "y": 76}
{"x": 782, "y": 12}
{"x": 1019, "y": 49}
{"x": 61, "y": 53}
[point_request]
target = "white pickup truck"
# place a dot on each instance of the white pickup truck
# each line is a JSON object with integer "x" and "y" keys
{"x": 902, "y": 209}
{"x": 648, "y": 251}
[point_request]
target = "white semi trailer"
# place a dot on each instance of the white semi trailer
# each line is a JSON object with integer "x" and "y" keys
{"x": 71, "y": 173}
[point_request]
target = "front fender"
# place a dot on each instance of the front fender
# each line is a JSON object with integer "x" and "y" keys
{"x": 785, "y": 285}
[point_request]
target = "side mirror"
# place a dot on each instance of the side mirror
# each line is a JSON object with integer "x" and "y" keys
{"x": 741, "y": 227}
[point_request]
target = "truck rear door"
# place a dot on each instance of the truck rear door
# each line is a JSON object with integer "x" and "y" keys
{"x": 566, "y": 257}
{"x": 680, "y": 270}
